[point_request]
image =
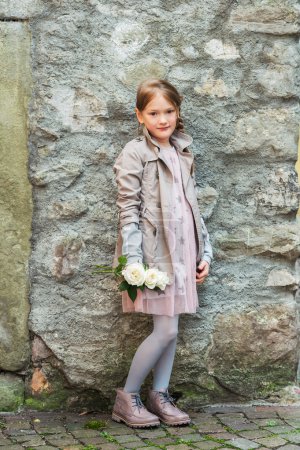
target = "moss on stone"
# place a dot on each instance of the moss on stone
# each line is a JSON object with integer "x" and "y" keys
{"x": 11, "y": 392}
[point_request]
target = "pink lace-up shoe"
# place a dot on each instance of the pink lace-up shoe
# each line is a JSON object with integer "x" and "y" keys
{"x": 162, "y": 404}
{"x": 129, "y": 408}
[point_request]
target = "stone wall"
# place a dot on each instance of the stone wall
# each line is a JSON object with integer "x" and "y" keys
{"x": 237, "y": 66}
{"x": 15, "y": 211}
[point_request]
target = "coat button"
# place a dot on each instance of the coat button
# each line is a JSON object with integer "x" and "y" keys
{"x": 154, "y": 232}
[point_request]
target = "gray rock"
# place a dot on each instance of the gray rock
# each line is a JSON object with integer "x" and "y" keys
{"x": 11, "y": 392}
{"x": 282, "y": 278}
{"x": 281, "y": 240}
{"x": 20, "y": 10}
{"x": 248, "y": 339}
{"x": 277, "y": 20}
{"x": 270, "y": 133}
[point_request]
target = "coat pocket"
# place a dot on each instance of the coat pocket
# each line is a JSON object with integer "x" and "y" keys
{"x": 149, "y": 237}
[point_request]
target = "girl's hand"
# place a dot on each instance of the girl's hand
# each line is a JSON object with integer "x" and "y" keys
{"x": 202, "y": 271}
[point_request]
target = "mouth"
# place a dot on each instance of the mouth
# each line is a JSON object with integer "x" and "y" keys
{"x": 163, "y": 128}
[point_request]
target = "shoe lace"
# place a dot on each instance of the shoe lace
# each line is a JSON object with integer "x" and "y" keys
{"x": 166, "y": 397}
{"x": 137, "y": 401}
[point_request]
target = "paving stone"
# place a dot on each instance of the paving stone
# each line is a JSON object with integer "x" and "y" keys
{"x": 45, "y": 447}
{"x": 14, "y": 447}
{"x": 271, "y": 441}
{"x": 93, "y": 441}
{"x": 267, "y": 408}
{"x": 18, "y": 425}
{"x": 130, "y": 445}
{"x": 148, "y": 448}
{"x": 163, "y": 441}
{"x": 60, "y": 440}
{"x": 280, "y": 429}
{"x": 19, "y": 432}
{"x": 148, "y": 434}
{"x": 269, "y": 422}
{"x": 178, "y": 447}
{"x": 119, "y": 431}
{"x": 178, "y": 431}
{"x": 293, "y": 422}
{"x": 233, "y": 415}
{"x": 193, "y": 437}
{"x": 222, "y": 435}
{"x": 289, "y": 413}
{"x": 29, "y": 441}
{"x": 85, "y": 433}
{"x": 76, "y": 426}
{"x": 54, "y": 429}
{"x": 243, "y": 426}
{"x": 252, "y": 414}
{"x": 111, "y": 446}
{"x": 252, "y": 434}
{"x": 242, "y": 443}
{"x": 290, "y": 447}
{"x": 207, "y": 445}
{"x": 292, "y": 437}
{"x": 200, "y": 416}
{"x": 127, "y": 438}
{"x": 73, "y": 447}
{"x": 213, "y": 409}
{"x": 210, "y": 427}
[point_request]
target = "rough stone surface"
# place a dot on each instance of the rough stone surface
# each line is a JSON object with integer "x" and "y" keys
{"x": 281, "y": 240}
{"x": 279, "y": 19}
{"x": 236, "y": 65}
{"x": 11, "y": 392}
{"x": 20, "y": 9}
{"x": 248, "y": 340}
{"x": 15, "y": 195}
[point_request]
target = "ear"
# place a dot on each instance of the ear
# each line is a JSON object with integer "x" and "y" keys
{"x": 139, "y": 115}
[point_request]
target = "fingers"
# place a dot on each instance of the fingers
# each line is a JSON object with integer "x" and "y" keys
{"x": 202, "y": 273}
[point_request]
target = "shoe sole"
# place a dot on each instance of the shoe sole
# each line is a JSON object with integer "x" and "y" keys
{"x": 119, "y": 419}
{"x": 180, "y": 422}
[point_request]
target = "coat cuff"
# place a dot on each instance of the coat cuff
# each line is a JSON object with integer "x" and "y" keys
{"x": 132, "y": 243}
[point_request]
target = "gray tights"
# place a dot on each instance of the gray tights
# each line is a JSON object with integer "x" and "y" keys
{"x": 156, "y": 352}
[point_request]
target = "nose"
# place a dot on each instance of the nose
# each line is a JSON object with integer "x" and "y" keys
{"x": 162, "y": 119}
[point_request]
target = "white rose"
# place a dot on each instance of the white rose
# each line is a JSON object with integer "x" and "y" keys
{"x": 163, "y": 280}
{"x": 152, "y": 276}
{"x": 134, "y": 274}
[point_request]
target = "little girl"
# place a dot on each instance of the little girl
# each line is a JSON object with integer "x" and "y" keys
{"x": 159, "y": 224}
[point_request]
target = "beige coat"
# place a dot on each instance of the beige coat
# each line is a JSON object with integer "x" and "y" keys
{"x": 144, "y": 182}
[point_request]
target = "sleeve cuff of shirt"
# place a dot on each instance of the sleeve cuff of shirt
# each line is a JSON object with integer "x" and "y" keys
{"x": 207, "y": 259}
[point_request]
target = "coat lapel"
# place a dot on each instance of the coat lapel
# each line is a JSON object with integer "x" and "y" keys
{"x": 180, "y": 141}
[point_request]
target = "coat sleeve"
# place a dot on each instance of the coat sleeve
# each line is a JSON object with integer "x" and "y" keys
{"x": 128, "y": 169}
{"x": 208, "y": 252}
{"x": 132, "y": 243}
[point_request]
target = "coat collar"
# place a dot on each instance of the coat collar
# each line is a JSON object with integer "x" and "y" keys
{"x": 179, "y": 139}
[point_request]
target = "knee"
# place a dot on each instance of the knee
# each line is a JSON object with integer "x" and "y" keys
{"x": 171, "y": 334}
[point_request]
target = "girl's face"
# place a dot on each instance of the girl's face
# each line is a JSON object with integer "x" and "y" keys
{"x": 159, "y": 117}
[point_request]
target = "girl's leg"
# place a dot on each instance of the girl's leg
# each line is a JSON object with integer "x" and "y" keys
{"x": 163, "y": 368}
{"x": 165, "y": 329}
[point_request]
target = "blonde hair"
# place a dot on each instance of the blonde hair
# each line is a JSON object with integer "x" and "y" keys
{"x": 148, "y": 88}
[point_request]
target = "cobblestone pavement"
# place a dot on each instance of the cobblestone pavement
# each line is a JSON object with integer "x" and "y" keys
{"x": 214, "y": 427}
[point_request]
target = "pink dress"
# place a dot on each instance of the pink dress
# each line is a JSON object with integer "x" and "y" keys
{"x": 181, "y": 296}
